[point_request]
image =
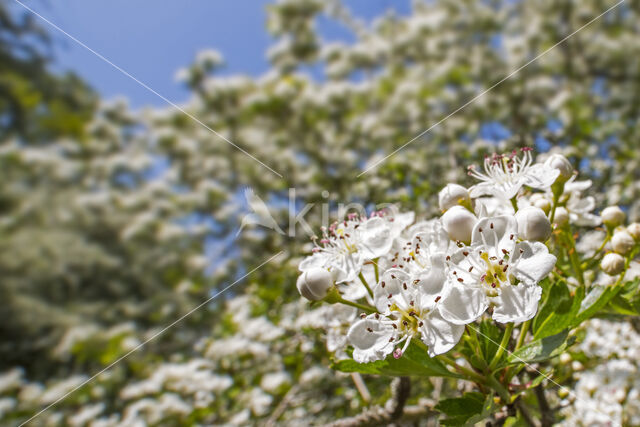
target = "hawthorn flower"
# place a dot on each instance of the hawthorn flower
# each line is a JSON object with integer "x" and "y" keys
{"x": 505, "y": 174}
{"x": 428, "y": 239}
{"x": 580, "y": 208}
{"x": 346, "y": 245}
{"x": 409, "y": 307}
{"x": 499, "y": 270}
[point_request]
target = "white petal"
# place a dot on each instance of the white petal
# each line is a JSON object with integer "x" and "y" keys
{"x": 432, "y": 281}
{"x": 532, "y": 262}
{"x": 394, "y": 280}
{"x": 482, "y": 189}
{"x": 374, "y": 237}
{"x": 439, "y": 335}
{"x": 431, "y": 236}
{"x": 516, "y": 303}
{"x": 371, "y": 340}
{"x": 496, "y": 233}
{"x": 463, "y": 304}
{"x": 317, "y": 260}
{"x": 541, "y": 176}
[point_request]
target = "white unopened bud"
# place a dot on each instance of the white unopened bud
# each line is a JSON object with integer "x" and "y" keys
{"x": 314, "y": 284}
{"x": 459, "y": 222}
{"x": 634, "y": 230}
{"x": 533, "y": 224}
{"x": 452, "y": 195}
{"x": 542, "y": 203}
{"x": 560, "y": 163}
{"x": 612, "y": 216}
{"x": 562, "y": 217}
{"x": 622, "y": 242}
{"x": 612, "y": 264}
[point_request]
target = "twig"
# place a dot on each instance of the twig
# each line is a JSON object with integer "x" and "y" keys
{"x": 547, "y": 418}
{"x": 394, "y": 409}
{"x": 361, "y": 386}
{"x": 525, "y": 413}
{"x": 277, "y": 413}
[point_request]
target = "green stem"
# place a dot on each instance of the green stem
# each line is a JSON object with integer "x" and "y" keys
{"x": 573, "y": 257}
{"x": 375, "y": 269}
{"x": 502, "y": 391}
{"x": 514, "y": 204}
{"x": 365, "y": 308}
{"x": 557, "y": 192}
{"x": 464, "y": 370}
{"x": 523, "y": 333}
{"x": 503, "y": 345}
{"x": 366, "y": 285}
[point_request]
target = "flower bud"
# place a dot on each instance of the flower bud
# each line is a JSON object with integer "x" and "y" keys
{"x": 560, "y": 163}
{"x": 452, "y": 195}
{"x": 533, "y": 224}
{"x": 562, "y": 217}
{"x": 622, "y": 242}
{"x": 541, "y": 202}
{"x": 612, "y": 216}
{"x": 459, "y": 222}
{"x": 612, "y": 264}
{"x": 634, "y": 230}
{"x": 314, "y": 284}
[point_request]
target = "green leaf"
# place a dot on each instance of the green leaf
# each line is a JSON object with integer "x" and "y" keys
{"x": 541, "y": 349}
{"x": 466, "y": 410}
{"x": 558, "y": 311}
{"x": 415, "y": 362}
{"x": 459, "y": 410}
{"x": 621, "y": 305}
{"x": 595, "y": 300}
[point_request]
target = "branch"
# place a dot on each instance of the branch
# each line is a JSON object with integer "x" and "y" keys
{"x": 547, "y": 418}
{"x": 393, "y": 410}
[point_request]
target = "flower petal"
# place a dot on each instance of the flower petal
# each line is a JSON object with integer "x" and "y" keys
{"x": 463, "y": 304}
{"x": 532, "y": 262}
{"x": 516, "y": 303}
{"x": 540, "y": 176}
{"x": 391, "y": 289}
{"x": 375, "y": 237}
{"x": 371, "y": 340}
{"x": 440, "y": 335}
{"x": 495, "y": 233}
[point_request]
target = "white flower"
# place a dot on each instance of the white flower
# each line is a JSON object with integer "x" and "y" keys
{"x": 338, "y": 252}
{"x": 314, "y": 284}
{"x": 505, "y": 174}
{"x": 409, "y": 307}
{"x": 497, "y": 269}
{"x": 346, "y": 245}
{"x": 533, "y": 224}
{"x": 417, "y": 254}
{"x": 459, "y": 222}
{"x": 580, "y": 208}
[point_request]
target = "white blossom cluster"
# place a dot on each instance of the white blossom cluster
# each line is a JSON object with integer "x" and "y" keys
{"x": 609, "y": 393}
{"x": 425, "y": 280}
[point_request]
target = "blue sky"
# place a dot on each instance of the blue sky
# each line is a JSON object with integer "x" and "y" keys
{"x": 151, "y": 39}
